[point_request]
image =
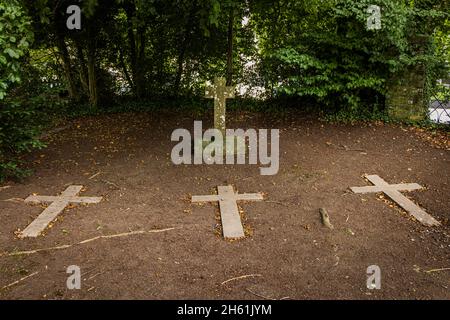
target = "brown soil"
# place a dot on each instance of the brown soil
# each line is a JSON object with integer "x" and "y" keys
{"x": 287, "y": 245}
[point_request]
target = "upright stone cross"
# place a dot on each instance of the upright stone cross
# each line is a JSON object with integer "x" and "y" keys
{"x": 229, "y": 213}
{"x": 58, "y": 204}
{"x": 220, "y": 93}
{"x": 393, "y": 192}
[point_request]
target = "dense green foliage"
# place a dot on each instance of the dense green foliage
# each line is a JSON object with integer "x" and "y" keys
{"x": 17, "y": 130}
{"x": 323, "y": 50}
{"x": 15, "y": 38}
{"x": 141, "y": 54}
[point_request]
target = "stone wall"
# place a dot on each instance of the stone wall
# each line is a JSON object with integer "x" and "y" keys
{"x": 405, "y": 98}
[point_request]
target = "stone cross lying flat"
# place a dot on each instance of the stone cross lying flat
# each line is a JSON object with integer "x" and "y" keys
{"x": 220, "y": 93}
{"x": 58, "y": 204}
{"x": 393, "y": 192}
{"x": 231, "y": 220}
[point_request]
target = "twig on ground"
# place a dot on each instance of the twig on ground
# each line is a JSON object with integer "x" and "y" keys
{"x": 325, "y": 218}
{"x": 66, "y": 246}
{"x": 241, "y": 277}
{"x": 436, "y": 270}
{"x": 5, "y": 187}
{"x": 95, "y": 275}
{"x": 14, "y": 200}
{"x": 111, "y": 183}
{"x": 19, "y": 281}
{"x": 259, "y": 295}
{"x": 21, "y": 253}
{"x": 93, "y": 176}
{"x": 84, "y": 274}
{"x": 277, "y": 202}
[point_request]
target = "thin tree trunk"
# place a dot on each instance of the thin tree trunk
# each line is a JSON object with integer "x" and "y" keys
{"x": 230, "y": 48}
{"x": 183, "y": 48}
{"x": 130, "y": 11}
{"x": 140, "y": 79}
{"x": 64, "y": 54}
{"x": 137, "y": 51}
{"x": 125, "y": 70}
{"x": 93, "y": 95}
{"x": 179, "y": 69}
{"x": 83, "y": 69}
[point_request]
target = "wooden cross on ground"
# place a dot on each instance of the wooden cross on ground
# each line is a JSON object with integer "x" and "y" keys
{"x": 231, "y": 220}
{"x": 58, "y": 204}
{"x": 220, "y": 93}
{"x": 393, "y": 192}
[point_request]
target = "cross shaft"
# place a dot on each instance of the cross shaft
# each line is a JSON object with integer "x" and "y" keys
{"x": 219, "y": 92}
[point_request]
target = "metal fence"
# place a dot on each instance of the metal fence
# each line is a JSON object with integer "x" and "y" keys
{"x": 439, "y": 107}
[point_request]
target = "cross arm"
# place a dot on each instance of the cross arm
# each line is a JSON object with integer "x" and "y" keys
{"x": 39, "y": 199}
{"x": 384, "y": 188}
{"x": 368, "y": 189}
{"x": 406, "y": 186}
{"x": 209, "y": 92}
{"x": 210, "y": 198}
{"x": 68, "y": 199}
{"x": 85, "y": 199}
{"x": 250, "y": 196}
{"x": 229, "y": 92}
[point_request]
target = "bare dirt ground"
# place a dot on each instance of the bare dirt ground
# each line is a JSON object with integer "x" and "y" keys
{"x": 126, "y": 159}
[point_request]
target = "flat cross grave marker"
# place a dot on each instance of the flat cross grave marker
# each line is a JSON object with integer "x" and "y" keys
{"x": 229, "y": 213}
{"x": 220, "y": 93}
{"x": 57, "y": 205}
{"x": 393, "y": 192}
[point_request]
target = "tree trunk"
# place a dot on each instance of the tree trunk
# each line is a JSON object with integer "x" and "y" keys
{"x": 179, "y": 69}
{"x": 230, "y": 48}
{"x": 125, "y": 70}
{"x": 93, "y": 95}
{"x": 140, "y": 77}
{"x": 83, "y": 69}
{"x": 137, "y": 50}
{"x": 64, "y": 54}
{"x": 183, "y": 46}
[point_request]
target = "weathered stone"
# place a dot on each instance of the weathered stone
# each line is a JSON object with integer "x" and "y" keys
{"x": 220, "y": 93}
{"x": 58, "y": 204}
{"x": 227, "y": 198}
{"x": 393, "y": 192}
{"x": 405, "y": 98}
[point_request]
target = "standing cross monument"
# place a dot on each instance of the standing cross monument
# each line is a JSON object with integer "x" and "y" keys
{"x": 227, "y": 198}
{"x": 58, "y": 204}
{"x": 220, "y": 93}
{"x": 393, "y": 192}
